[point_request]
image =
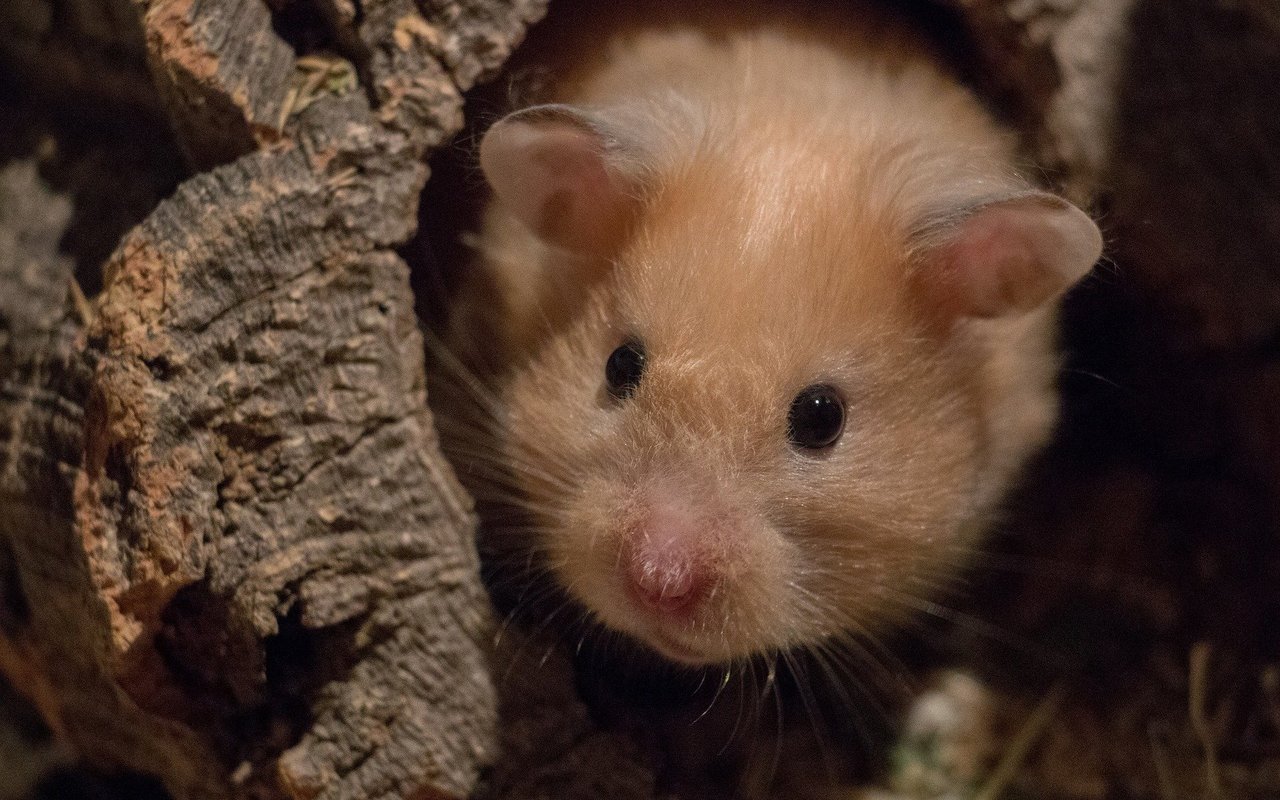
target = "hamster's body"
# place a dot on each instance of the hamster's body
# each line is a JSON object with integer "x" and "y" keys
{"x": 756, "y": 215}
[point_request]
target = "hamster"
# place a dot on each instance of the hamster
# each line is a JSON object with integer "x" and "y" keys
{"x": 767, "y": 311}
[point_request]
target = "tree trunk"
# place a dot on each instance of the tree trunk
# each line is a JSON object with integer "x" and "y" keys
{"x": 234, "y": 558}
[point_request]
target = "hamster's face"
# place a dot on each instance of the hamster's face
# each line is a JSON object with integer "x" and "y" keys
{"x": 748, "y": 440}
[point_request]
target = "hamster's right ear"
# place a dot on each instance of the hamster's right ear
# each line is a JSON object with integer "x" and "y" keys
{"x": 552, "y": 167}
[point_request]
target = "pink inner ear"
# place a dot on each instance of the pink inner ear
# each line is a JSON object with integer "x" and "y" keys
{"x": 992, "y": 265}
{"x": 1012, "y": 256}
{"x": 550, "y": 172}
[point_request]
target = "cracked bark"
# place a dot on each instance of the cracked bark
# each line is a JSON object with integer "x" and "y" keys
{"x": 266, "y": 583}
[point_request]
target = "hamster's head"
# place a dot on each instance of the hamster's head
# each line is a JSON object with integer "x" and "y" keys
{"x": 782, "y": 407}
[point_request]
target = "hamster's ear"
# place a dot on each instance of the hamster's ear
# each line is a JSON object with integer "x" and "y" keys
{"x": 1007, "y": 256}
{"x": 550, "y": 166}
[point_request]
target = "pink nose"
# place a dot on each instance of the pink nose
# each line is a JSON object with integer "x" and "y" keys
{"x": 666, "y": 586}
{"x": 664, "y": 564}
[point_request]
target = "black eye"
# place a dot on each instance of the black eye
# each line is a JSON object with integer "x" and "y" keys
{"x": 817, "y": 417}
{"x": 623, "y": 369}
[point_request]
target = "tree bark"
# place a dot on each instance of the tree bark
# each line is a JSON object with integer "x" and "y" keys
{"x": 235, "y": 557}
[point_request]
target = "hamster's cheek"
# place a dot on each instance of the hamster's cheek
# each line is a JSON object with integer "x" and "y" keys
{"x": 585, "y": 544}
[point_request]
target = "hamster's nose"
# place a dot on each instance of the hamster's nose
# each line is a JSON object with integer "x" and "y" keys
{"x": 664, "y": 564}
{"x": 666, "y": 586}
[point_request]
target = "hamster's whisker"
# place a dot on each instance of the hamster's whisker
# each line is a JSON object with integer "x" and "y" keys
{"x": 737, "y": 720}
{"x": 812, "y": 710}
{"x": 464, "y": 377}
{"x": 501, "y": 465}
{"x": 844, "y": 672}
{"x": 971, "y": 623}
{"x": 1045, "y": 567}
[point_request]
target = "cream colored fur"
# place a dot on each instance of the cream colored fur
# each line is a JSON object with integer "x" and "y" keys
{"x": 780, "y": 174}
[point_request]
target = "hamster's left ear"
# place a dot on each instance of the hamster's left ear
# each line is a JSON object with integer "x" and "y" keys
{"x": 554, "y": 167}
{"x": 1007, "y": 256}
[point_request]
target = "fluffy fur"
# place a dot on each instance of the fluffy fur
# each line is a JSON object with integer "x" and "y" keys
{"x": 785, "y": 182}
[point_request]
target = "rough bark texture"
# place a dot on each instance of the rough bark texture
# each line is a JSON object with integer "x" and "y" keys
{"x": 232, "y": 562}
{"x": 237, "y": 560}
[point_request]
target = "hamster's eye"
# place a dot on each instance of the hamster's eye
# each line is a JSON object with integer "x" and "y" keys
{"x": 817, "y": 417}
{"x": 623, "y": 369}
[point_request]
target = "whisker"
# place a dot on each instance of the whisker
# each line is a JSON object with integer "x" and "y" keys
{"x": 842, "y": 677}
{"x": 809, "y": 702}
{"x": 971, "y": 623}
